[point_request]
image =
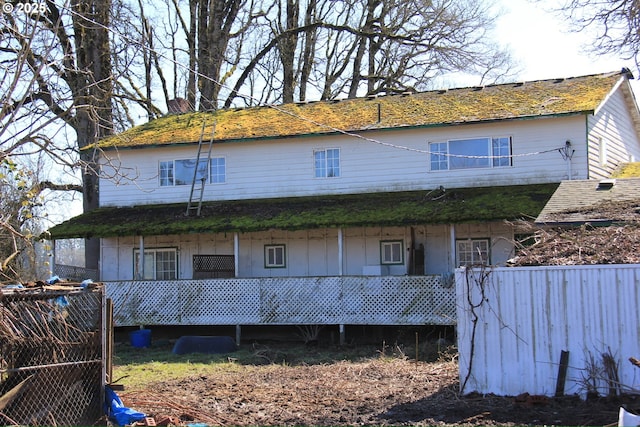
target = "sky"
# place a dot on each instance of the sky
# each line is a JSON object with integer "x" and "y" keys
{"x": 541, "y": 43}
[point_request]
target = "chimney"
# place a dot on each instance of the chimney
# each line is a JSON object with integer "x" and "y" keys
{"x": 178, "y": 106}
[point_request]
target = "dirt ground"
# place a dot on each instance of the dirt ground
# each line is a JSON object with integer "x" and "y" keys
{"x": 375, "y": 391}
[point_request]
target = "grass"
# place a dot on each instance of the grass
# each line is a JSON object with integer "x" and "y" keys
{"x": 137, "y": 367}
{"x": 140, "y": 367}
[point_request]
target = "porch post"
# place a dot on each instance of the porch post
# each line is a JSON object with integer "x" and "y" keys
{"x": 452, "y": 232}
{"x": 141, "y": 259}
{"x": 236, "y": 254}
{"x": 340, "y": 251}
{"x": 52, "y": 259}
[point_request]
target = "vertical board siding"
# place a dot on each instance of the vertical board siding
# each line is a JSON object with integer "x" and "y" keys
{"x": 528, "y": 315}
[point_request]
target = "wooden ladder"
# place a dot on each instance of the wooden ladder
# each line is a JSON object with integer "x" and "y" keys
{"x": 197, "y": 190}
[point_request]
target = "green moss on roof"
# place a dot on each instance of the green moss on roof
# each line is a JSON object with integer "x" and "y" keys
{"x": 376, "y": 209}
{"x": 433, "y": 108}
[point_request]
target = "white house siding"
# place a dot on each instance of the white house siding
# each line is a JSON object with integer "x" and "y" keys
{"x": 285, "y": 168}
{"x": 529, "y": 315}
{"x": 612, "y": 137}
{"x": 311, "y": 253}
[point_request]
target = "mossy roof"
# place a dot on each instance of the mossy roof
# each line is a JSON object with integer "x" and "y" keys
{"x": 433, "y": 108}
{"x": 358, "y": 210}
{"x": 628, "y": 170}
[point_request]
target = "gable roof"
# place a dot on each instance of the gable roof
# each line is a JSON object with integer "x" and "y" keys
{"x": 593, "y": 201}
{"x": 440, "y": 206}
{"x": 564, "y": 96}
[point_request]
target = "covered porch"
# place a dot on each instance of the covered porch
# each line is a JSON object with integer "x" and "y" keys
{"x": 331, "y": 242}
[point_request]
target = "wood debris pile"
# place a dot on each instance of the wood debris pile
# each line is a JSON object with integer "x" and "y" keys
{"x": 582, "y": 245}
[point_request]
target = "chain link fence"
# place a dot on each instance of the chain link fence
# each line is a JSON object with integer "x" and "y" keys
{"x": 71, "y": 272}
{"x": 51, "y": 359}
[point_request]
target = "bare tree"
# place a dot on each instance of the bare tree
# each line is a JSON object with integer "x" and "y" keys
{"x": 615, "y": 25}
{"x": 56, "y": 94}
{"x": 363, "y": 47}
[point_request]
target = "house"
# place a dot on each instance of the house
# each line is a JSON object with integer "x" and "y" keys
{"x": 341, "y": 212}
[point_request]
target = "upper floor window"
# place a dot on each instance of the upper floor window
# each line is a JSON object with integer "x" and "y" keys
{"x": 218, "y": 170}
{"x": 603, "y": 152}
{"x": 391, "y": 252}
{"x": 327, "y": 163}
{"x": 470, "y": 153}
{"x": 470, "y": 252}
{"x": 181, "y": 172}
{"x": 159, "y": 264}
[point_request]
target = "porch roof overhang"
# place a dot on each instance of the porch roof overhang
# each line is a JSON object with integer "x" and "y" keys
{"x": 438, "y": 206}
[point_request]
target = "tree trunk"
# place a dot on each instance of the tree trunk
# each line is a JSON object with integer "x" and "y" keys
{"x": 308, "y": 53}
{"x": 215, "y": 24}
{"x": 287, "y": 49}
{"x": 93, "y": 89}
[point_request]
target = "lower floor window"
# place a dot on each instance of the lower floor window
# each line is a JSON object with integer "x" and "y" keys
{"x": 158, "y": 264}
{"x": 391, "y": 252}
{"x": 274, "y": 256}
{"x": 471, "y": 252}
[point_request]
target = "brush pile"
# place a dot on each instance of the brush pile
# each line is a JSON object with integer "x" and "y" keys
{"x": 609, "y": 235}
{"x": 581, "y": 246}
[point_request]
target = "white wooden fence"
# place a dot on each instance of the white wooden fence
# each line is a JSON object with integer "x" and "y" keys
{"x": 339, "y": 300}
{"x": 514, "y": 323}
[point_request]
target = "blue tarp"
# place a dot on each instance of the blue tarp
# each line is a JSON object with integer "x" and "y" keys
{"x": 116, "y": 411}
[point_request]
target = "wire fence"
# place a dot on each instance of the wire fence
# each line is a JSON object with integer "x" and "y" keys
{"x": 71, "y": 272}
{"x": 51, "y": 359}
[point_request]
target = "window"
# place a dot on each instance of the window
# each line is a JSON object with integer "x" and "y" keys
{"x": 184, "y": 171}
{"x": 470, "y": 153}
{"x": 391, "y": 252}
{"x": 603, "y": 152}
{"x": 218, "y": 170}
{"x": 213, "y": 266}
{"x": 439, "y": 159}
{"x": 472, "y": 252}
{"x": 327, "y": 163}
{"x": 501, "y": 151}
{"x": 159, "y": 264}
{"x": 274, "y": 256}
{"x": 181, "y": 172}
{"x": 166, "y": 173}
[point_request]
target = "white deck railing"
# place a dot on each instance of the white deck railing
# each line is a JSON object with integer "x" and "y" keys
{"x": 342, "y": 300}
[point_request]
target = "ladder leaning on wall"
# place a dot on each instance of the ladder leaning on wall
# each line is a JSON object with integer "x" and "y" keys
{"x": 197, "y": 190}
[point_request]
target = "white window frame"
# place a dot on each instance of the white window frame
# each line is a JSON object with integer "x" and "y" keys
{"x": 328, "y": 165}
{"x": 462, "y": 154}
{"x": 165, "y": 173}
{"x": 152, "y": 261}
{"x": 467, "y": 253}
{"x": 168, "y": 175}
{"x": 391, "y": 252}
{"x": 275, "y": 256}
{"x": 603, "y": 152}
{"x": 218, "y": 170}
